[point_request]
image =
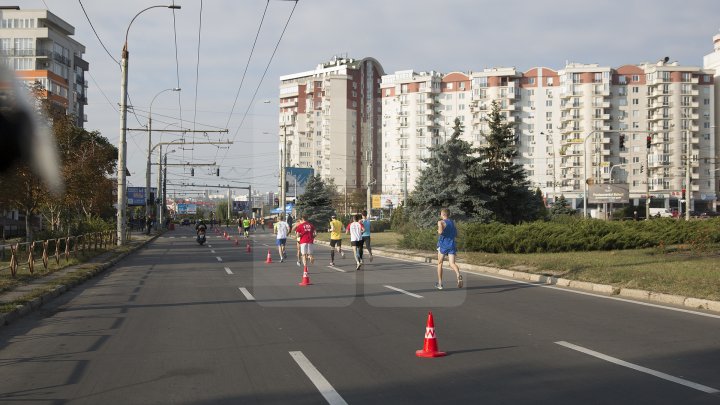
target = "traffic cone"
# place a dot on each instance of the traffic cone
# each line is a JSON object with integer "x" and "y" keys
{"x": 305, "y": 278}
{"x": 269, "y": 257}
{"x": 247, "y": 248}
{"x": 430, "y": 348}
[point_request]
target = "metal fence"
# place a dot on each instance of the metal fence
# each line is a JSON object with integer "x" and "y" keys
{"x": 27, "y": 254}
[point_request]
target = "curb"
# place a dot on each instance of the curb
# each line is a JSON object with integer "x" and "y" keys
{"x": 22, "y": 310}
{"x": 600, "y": 289}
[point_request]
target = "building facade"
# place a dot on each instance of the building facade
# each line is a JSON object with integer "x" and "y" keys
{"x": 38, "y": 46}
{"x": 330, "y": 120}
{"x": 569, "y": 125}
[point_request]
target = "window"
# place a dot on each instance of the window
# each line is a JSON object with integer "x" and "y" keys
{"x": 549, "y": 81}
{"x": 622, "y": 79}
{"x": 636, "y": 101}
{"x": 548, "y": 103}
{"x": 403, "y": 88}
{"x": 461, "y": 107}
{"x": 548, "y": 126}
{"x": 635, "y": 78}
{"x": 636, "y": 89}
{"x": 449, "y": 86}
{"x": 531, "y": 80}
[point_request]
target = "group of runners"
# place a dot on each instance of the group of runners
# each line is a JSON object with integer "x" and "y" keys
{"x": 359, "y": 231}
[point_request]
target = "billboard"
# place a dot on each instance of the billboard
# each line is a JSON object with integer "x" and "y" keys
{"x": 297, "y": 178}
{"x": 240, "y": 206}
{"x": 609, "y": 193}
{"x": 186, "y": 209}
{"x": 385, "y": 201}
{"x": 136, "y": 195}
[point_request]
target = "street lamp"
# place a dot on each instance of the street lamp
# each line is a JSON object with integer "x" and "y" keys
{"x": 162, "y": 179}
{"x": 585, "y": 178}
{"x": 404, "y": 167}
{"x": 122, "y": 148}
{"x": 148, "y": 169}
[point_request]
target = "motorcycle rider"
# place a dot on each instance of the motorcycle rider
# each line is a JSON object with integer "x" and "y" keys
{"x": 200, "y": 227}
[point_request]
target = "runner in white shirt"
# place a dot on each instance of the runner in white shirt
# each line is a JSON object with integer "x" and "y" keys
{"x": 281, "y": 228}
{"x": 355, "y": 229}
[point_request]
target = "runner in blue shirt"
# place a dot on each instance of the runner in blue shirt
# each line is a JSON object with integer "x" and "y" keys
{"x": 446, "y": 247}
{"x": 366, "y": 233}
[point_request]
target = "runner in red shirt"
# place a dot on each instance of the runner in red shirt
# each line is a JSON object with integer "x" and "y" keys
{"x": 307, "y": 233}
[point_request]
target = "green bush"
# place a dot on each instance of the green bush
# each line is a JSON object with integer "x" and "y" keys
{"x": 566, "y": 234}
{"x": 381, "y": 225}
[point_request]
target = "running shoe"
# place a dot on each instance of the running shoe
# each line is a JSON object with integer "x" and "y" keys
{"x": 438, "y": 286}
{"x": 357, "y": 268}
{"x": 342, "y": 254}
{"x": 371, "y": 257}
{"x": 460, "y": 282}
{"x": 298, "y": 263}
{"x": 332, "y": 264}
{"x": 282, "y": 260}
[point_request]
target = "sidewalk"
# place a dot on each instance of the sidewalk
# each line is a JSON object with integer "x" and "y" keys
{"x": 32, "y": 295}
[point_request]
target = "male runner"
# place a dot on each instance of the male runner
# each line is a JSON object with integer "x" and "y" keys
{"x": 297, "y": 237}
{"x": 281, "y": 228}
{"x": 246, "y": 226}
{"x": 355, "y": 229}
{"x": 307, "y": 233}
{"x": 446, "y": 247}
{"x": 366, "y": 233}
{"x": 335, "y": 238}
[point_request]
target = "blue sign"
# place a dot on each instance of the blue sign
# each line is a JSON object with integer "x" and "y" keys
{"x": 136, "y": 195}
{"x": 241, "y": 206}
{"x": 288, "y": 209}
{"x": 187, "y": 208}
{"x": 301, "y": 174}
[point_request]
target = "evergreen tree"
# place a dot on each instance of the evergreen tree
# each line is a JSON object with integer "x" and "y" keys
{"x": 503, "y": 181}
{"x": 561, "y": 207}
{"x": 316, "y": 202}
{"x": 446, "y": 181}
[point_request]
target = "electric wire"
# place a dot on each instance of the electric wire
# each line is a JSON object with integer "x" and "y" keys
{"x": 96, "y": 34}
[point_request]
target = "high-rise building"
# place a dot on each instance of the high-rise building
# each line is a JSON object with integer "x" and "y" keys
{"x": 712, "y": 61}
{"x": 37, "y": 44}
{"x": 331, "y": 119}
{"x": 568, "y": 125}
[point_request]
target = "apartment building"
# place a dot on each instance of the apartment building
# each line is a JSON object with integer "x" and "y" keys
{"x": 569, "y": 123}
{"x": 37, "y": 44}
{"x": 711, "y": 61}
{"x": 330, "y": 120}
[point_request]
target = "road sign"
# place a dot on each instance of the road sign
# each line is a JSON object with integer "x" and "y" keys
{"x": 609, "y": 193}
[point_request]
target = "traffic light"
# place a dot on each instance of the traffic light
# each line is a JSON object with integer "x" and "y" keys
{"x": 622, "y": 141}
{"x": 192, "y": 171}
{"x": 649, "y": 140}
{"x": 217, "y": 173}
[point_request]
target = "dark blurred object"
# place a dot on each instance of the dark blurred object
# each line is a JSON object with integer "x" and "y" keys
{"x": 24, "y": 138}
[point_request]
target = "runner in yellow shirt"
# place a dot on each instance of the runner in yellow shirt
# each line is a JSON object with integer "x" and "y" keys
{"x": 336, "y": 228}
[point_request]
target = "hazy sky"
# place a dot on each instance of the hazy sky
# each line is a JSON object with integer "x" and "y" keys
{"x": 448, "y": 35}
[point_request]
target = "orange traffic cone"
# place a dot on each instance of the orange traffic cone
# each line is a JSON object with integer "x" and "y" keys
{"x": 430, "y": 349}
{"x": 305, "y": 278}
{"x": 247, "y": 248}
{"x": 269, "y": 257}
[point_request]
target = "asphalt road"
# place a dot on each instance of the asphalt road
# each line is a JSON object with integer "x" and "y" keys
{"x": 184, "y": 324}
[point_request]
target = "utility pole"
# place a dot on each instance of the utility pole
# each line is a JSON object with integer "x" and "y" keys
{"x": 283, "y": 168}
{"x": 688, "y": 168}
{"x": 647, "y": 178}
{"x": 369, "y": 183}
{"x": 405, "y": 184}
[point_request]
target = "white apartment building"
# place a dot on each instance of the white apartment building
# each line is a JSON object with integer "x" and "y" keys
{"x": 555, "y": 112}
{"x": 38, "y": 46}
{"x": 711, "y": 61}
{"x": 330, "y": 119}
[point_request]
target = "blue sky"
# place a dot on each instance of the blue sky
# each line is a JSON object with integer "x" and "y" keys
{"x": 445, "y": 36}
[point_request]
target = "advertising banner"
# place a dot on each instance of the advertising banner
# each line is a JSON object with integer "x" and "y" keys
{"x": 188, "y": 209}
{"x": 136, "y": 195}
{"x": 240, "y": 206}
{"x": 609, "y": 193}
{"x": 385, "y": 201}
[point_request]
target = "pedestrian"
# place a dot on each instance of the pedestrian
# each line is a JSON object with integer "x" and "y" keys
{"x": 262, "y": 223}
{"x": 446, "y": 247}
{"x": 297, "y": 239}
{"x": 246, "y": 226}
{"x": 335, "y": 230}
{"x": 355, "y": 229}
{"x": 366, "y": 234}
{"x": 281, "y": 229}
{"x": 148, "y": 224}
{"x": 307, "y": 233}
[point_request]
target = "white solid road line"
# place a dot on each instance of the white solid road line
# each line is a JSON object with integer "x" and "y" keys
{"x": 218, "y": 258}
{"x": 228, "y": 271}
{"x": 247, "y": 294}
{"x": 403, "y": 291}
{"x": 337, "y": 269}
{"x": 642, "y": 369}
{"x": 327, "y": 391}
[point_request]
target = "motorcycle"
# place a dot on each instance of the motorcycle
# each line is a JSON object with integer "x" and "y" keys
{"x": 201, "y": 237}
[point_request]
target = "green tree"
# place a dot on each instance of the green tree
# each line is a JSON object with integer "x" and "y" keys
{"x": 503, "y": 182}
{"x": 447, "y": 181}
{"x": 316, "y": 202}
{"x": 561, "y": 207}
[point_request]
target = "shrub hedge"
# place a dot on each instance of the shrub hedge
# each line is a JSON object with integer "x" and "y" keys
{"x": 571, "y": 234}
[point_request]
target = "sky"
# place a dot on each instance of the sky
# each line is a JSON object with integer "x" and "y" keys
{"x": 217, "y": 52}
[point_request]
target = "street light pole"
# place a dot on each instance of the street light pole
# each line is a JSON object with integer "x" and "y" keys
{"x": 688, "y": 168}
{"x": 122, "y": 141}
{"x": 549, "y": 137}
{"x": 283, "y": 168}
{"x": 149, "y": 153}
